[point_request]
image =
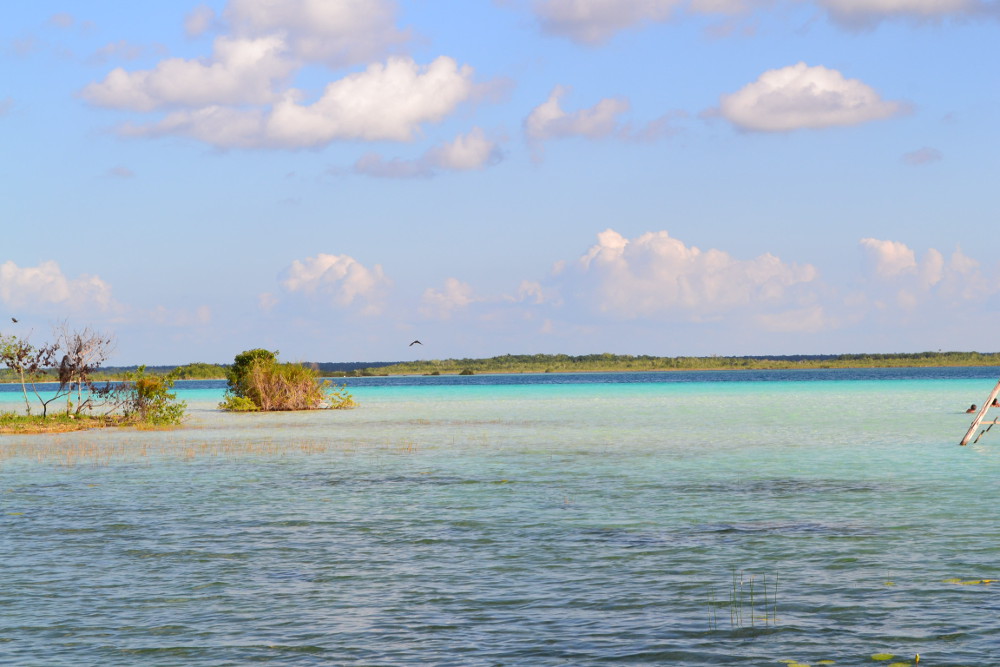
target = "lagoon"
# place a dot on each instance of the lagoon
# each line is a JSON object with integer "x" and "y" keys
{"x": 542, "y": 519}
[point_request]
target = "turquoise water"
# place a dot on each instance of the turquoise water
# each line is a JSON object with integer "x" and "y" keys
{"x": 445, "y": 522}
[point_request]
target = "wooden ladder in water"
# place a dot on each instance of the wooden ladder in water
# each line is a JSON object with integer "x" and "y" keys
{"x": 978, "y": 421}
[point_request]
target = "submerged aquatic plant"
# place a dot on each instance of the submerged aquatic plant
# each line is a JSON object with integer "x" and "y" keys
{"x": 749, "y": 595}
{"x": 971, "y": 582}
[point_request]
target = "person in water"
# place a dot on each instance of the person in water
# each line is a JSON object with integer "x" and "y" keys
{"x": 972, "y": 408}
{"x": 995, "y": 403}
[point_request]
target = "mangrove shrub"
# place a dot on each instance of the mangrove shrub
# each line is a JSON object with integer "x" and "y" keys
{"x": 258, "y": 381}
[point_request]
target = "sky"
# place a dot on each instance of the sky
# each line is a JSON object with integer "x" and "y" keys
{"x": 334, "y": 179}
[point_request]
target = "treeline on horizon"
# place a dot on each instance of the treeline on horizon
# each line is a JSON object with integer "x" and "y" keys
{"x": 563, "y": 363}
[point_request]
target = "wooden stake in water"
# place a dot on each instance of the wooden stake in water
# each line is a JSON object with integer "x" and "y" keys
{"x": 980, "y": 415}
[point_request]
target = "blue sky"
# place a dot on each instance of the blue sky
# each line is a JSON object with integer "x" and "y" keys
{"x": 334, "y": 178}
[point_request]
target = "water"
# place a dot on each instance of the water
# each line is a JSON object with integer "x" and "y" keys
{"x": 542, "y": 520}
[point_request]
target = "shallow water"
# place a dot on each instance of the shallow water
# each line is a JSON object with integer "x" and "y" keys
{"x": 518, "y": 520}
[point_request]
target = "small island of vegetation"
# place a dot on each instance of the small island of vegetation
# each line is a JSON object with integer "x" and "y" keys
{"x": 70, "y": 363}
{"x": 257, "y": 381}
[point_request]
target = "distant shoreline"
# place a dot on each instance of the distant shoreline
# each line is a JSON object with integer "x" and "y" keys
{"x": 592, "y": 363}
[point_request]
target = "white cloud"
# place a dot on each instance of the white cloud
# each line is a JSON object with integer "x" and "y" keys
{"x": 888, "y": 259}
{"x": 30, "y": 286}
{"x": 655, "y": 274}
{"x": 340, "y": 278}
{"x": 896, "y": 277}
{"x": 335, "y": 32}
{"x": 726, "y": 7}
{"x": 469, "y": 151}
{"x": 199, "y": 21}
{"x": 595, "y": 21}
{"x": 241, "y": 71}
{"x": 386, "y": 102}
{"x": 221, "y": 126}
{"x": 857, "y": 14}
{"x": 239, "y": 96}
{"x": 466, "y": 152}
{"x": 443, "y": 302}
{"x": 800, "y": 96}
{"x": 548, "y": 120}
{"x": 530, "y": 291}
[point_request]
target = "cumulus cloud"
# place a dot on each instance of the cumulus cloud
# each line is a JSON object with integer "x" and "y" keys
{"x": 593, "y": 22}
{"x": 655, "y": 274}
{"x": 800, "y": 96}
{"x": 240, "y": 94}
{"x": 340, "y": 279}
{"x": 922, "y": 156}
{"x": 888, "y": 259}
{"x": 530, "y": 291}
{"x": 469, "y": 151}
{"x": 199, "y": 21}
{"x": 385, "y": 102}
{"x": 442, "y": 303}
{"x": 241, "y": 71}
{"x": 466, "y": 152}
{"x": 46, "y": 284}
{"x": 335, "y": 32}
{"x": 896, "y": 277}
{"x": 548, "y": 120}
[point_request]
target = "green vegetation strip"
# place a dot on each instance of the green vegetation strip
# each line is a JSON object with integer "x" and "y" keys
{"x": 562, "y": 363}
{"x": 30, "y": 424}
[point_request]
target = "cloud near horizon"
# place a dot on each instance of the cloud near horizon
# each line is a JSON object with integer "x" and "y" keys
{"x": 896, "y": 278}
{"x": 655, "y": 275}
{"x": 336, "y": 279}
{"x": 443, "y": 303}
{"x": 36, "y": 288}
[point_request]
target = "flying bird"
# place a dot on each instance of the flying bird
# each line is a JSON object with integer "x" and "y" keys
{"x": 416, "y": 342}
{"x": 14, "y": 320}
